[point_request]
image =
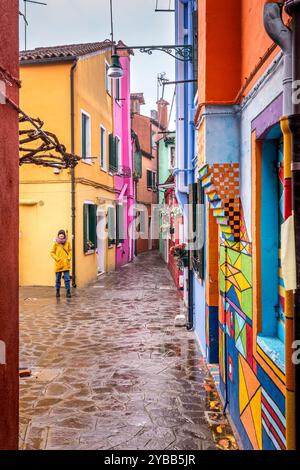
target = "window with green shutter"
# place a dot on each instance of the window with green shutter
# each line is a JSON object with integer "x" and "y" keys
{"x": 89, "y": 227}
{"x": 118, "y": 89}
{"x": 111, "y": 223}
{"x": 112, "y": 154}
{"x": 151, "y": 180}
{"x": 120, "y": 223}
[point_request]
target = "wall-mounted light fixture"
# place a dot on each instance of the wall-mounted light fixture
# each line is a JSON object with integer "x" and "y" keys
{"x": 184, "y": 53}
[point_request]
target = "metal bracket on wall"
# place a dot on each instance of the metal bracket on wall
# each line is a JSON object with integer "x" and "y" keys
{"x": 184, "y": 53}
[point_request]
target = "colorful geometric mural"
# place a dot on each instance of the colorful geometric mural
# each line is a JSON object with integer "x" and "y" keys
{"x": 273, "y": 421}
{"x": 250, "y": 403}
{"x": 221, "y": 183}
{"x": 256, "y": 404}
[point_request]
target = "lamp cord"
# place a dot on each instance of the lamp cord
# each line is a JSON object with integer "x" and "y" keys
{"x": 111, "y": 22}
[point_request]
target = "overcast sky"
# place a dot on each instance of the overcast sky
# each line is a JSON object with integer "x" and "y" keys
{"x": 135, "y": 22}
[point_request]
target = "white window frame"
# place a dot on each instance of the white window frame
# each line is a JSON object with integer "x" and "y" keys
{"x": 108, "y": 80}
{"x": 155, "y": 172}
{"x": 104, "y": 156}
{"x": 88, "y": 159}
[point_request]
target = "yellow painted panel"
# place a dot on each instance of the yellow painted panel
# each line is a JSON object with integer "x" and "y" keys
{"x": 39, "y": 225}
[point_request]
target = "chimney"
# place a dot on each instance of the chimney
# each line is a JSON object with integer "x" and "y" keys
{"x": 163, "y": 113}
{"x": 136, "y": 100}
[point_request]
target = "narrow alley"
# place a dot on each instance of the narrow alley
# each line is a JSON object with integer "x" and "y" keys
{"x": 110, "y": 370}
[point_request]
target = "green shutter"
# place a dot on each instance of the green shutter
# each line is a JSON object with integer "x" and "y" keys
{"x": 118, "y": 89}
{"x": 120, "y": 223}
{"x": 111, "y": 226}
{"x": 137, "y": 164}
{"x": 93, "y": 226}
{"x": 85, "y": 209}
{"x": 112, "y": 154}
{"x": 149, "y": 179}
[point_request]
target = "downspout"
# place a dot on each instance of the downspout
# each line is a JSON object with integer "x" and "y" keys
{"x": 292, "y": 8}
{"x": 283, "y": 37}
{"x": 190, "y": 159}
{"x": 73, "y": 185}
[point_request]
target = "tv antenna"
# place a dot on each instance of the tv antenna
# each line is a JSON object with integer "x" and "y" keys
{"x": 24, "y": 15}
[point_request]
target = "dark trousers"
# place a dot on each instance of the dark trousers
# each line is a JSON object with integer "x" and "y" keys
{"x": 66, "y": 279}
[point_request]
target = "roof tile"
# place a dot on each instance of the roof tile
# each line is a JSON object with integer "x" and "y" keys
{"x": 63, "y": 52}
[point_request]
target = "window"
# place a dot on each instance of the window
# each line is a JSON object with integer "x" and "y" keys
{"x": 120, "y": 223}
{"x": 196, "y": 227}
{"x": 267, "y": 234}
{"x": 89, "y": 227}
{"x": 85, "y": 136}
{"x": 118, "y": 89}
{"x": 112, "y": 154}
{"x": 172, "y": 156}
{"x": 153, "y": 139}
{"x": 115, "y": 153}
{"x": 102, "y": 148}
{"x": 111, "y": 225}
{"x": 118, "y": 152}
{"x": 108, "y": 80}
{"x": 151, "y": 180}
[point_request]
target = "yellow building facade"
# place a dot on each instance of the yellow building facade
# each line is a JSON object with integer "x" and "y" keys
{"x": 67, "y": 87}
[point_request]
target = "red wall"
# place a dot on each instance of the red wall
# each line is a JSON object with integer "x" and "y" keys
{"x": 9, "y": 231}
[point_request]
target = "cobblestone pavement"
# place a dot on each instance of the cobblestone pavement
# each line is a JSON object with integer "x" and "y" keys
{"x": 110, "y": 370}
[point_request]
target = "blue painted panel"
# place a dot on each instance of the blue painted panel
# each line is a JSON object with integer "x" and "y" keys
{"x": 213, "y": 335}
{"x": 269, "y": 238}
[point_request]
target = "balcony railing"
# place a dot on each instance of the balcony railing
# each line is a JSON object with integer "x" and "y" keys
{"x": 120, "y": 171}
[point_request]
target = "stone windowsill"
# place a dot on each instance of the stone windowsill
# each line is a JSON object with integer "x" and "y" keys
{"x": 274, "y": 348}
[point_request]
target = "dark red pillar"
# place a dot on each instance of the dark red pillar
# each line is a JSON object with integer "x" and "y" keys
{"x": 9, "y": 230}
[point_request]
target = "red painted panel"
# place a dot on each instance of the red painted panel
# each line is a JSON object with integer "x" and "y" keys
{"x": 9, "y": 230}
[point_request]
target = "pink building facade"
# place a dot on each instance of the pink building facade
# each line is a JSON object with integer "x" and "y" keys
{"x": 124, "y": 183}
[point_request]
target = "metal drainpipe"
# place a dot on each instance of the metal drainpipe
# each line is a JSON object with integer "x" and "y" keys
{"x": 73, "y": 190}
{"x": 292, "y": 8}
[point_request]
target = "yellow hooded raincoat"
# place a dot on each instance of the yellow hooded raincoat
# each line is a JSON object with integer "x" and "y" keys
{"x": 62, "y": 255}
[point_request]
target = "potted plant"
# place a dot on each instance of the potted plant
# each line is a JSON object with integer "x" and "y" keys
{"x": 180, "y": 253}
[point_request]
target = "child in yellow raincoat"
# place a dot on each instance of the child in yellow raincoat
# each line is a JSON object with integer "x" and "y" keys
{"x": 62, "y": 254}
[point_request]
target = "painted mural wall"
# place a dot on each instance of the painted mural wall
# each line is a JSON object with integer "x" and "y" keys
{"x": 251, "y": 353}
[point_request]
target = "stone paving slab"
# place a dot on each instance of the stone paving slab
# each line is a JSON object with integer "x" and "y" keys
{"x": 110, "y": 370}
